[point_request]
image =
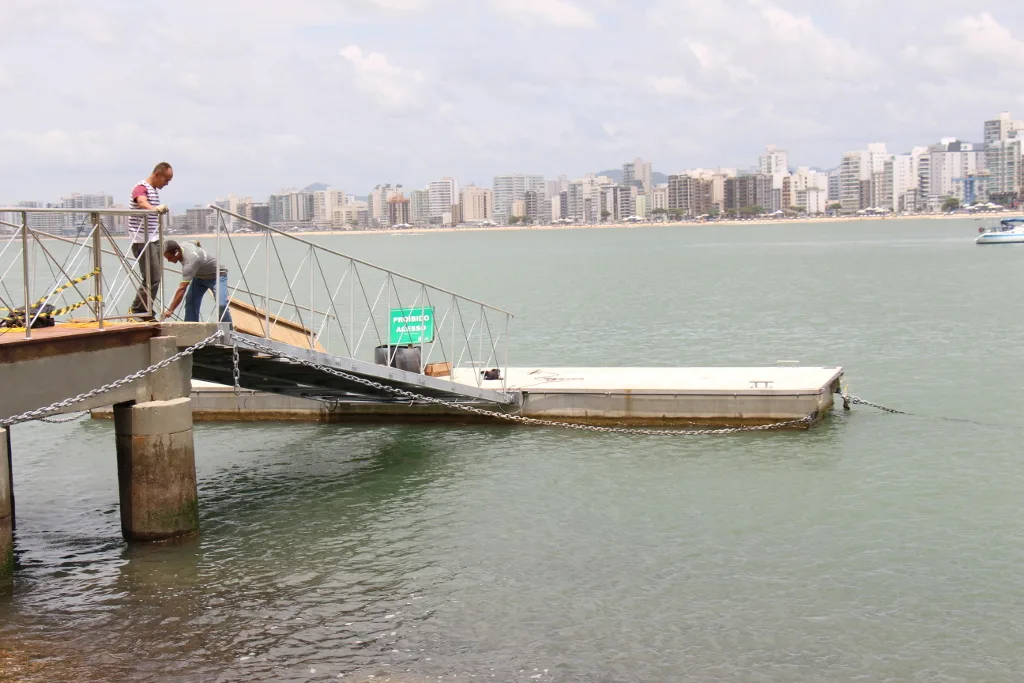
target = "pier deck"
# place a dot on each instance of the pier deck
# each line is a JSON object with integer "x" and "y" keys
{"x": 632, "y": 396}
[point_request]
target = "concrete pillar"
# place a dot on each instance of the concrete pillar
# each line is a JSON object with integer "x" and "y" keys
{"x": 6, "y": 512}
{"x": 156, "y": 469}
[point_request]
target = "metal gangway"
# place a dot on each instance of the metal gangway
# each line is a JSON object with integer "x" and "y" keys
{"x": 307, "y": 320}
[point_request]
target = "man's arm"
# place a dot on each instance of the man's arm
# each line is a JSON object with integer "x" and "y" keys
{"x": 179, "y": 294}
{"x": 143, "y": 200}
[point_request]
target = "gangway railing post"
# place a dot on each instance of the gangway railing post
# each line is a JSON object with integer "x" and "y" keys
{"x": 26, "y": 267}
{"x": 162, "y": 289}
{"x": 97, "y": 262}
{"x": 312, "y": 326}
{"x": 266, "y": 279}
{"x": 216, "y": 301}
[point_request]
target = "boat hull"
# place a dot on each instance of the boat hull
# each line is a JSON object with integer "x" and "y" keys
{"x": 1000, "y": 238}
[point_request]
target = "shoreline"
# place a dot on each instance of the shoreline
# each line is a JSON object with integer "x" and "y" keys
{"x": 608, "y": 226}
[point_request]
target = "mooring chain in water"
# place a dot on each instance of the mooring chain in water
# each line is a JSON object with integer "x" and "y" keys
{"x": 68, "y": 402}
{"x": 804, "y": 421}
{"x": 849, "y": 400}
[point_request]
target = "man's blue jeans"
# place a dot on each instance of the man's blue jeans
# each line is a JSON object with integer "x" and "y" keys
{"x": 197, "y": 290}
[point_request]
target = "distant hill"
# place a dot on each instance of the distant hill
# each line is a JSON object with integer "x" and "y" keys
{"x": 616, "y": 174}
{"x": 316, "y": 187}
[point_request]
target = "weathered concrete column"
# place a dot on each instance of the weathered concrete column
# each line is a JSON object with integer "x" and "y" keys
{"x": 156, "y": 469}
{"x": 6, "y": 513}
{"x": 156, "y": 466}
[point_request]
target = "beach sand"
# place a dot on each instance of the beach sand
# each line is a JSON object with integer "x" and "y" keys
{"x": 607, "y": 226}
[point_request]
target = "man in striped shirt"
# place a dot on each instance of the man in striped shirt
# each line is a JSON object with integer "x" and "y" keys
{"x": 145, "y": 234}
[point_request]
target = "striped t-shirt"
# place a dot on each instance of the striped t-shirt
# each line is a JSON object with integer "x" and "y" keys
{"x": 152, "y": 233}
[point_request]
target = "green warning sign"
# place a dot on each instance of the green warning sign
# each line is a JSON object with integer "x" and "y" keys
{"x": 411, "y": 326}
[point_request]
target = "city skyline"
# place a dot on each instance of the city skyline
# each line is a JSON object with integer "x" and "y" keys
{"x": 348, "y": 92}
{"x": 929, "y": 178}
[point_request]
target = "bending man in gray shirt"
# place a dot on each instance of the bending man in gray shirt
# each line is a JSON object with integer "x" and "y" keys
{"x": 199, "y": 273}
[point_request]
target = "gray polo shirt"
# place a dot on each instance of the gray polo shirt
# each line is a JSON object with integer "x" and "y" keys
{"x": 196, "y": 263}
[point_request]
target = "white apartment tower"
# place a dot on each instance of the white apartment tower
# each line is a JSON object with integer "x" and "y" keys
{"x": 1001, "y": 128}
{"x": 774, "y": 161}
{"x": 441, "y": 196}
{"x": 856, "y": 172}
{"x": 1004, "y": 157}
{"x": 513, "y": 187}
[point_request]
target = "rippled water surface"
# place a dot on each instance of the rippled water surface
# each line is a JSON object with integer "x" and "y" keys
{"x": 874, "y": 547}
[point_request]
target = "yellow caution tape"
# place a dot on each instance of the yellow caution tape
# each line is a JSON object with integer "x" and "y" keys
{"x": 71, "y": 283}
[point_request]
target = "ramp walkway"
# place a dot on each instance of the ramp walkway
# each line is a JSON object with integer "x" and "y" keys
{"x": 298, "y": 308}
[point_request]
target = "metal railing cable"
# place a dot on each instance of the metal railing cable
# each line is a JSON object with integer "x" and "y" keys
{"x": 309, "y": 275}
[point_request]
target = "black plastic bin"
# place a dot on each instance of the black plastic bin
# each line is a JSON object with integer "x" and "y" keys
{"x": 406, "y": 358}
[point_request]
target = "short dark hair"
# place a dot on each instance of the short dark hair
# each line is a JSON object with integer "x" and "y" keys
{"x": 171, "y": 247}
{"x": 162, "y": 167}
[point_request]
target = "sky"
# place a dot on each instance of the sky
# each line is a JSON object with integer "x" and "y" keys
{"x": 252, "y": 96}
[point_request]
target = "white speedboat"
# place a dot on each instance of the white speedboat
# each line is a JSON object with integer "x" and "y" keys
{"x": 1008, "y": 231}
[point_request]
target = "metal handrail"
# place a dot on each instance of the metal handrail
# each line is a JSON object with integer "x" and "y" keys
{"x": 102, "y": 212}
{"x": 92, "y": 240}
{"x": 475, "y": 334}
{"x": 353, "y": 258}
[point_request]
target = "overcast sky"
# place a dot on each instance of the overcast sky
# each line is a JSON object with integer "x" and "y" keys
{"x": 251, "y": 96}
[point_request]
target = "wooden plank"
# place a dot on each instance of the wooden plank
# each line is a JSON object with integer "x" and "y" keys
{"x": 248, "y": 319}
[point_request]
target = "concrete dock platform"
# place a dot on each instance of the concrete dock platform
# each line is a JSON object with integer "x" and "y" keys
{"x": 607, "y": 396}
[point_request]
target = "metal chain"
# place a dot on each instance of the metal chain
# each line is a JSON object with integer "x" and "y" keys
{"x": 235, "y": 371}
{"x": 807, "y": 420}
{"x": 60, "y": 405}
{"x": 849, "y": 400}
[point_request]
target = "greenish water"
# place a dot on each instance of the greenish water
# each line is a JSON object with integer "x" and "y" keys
{"x": 874, "y": 547}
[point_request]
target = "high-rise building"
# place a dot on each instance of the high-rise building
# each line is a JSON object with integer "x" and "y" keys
{"x": 689, "y": 194}
{"x": 289, "y": 208}
{"x": 72, "y": 224}
{"x": 197, "y": 220}
{"x": 442, "y": 194}
{"x": 1005, "y": 162}
{"x": 378, "y": 202}
{"x": 324, "y": 204}
{"x": 477, "y": 204}
{"x": 1001, "y": 128}
{"x": 774, "y": 161}
{"x": 260, "y": 212}
{"x": 419, "y": 207}
{"x": 748, "y": 191}
{"x": 398, "y": 210}
{"x": 950, "y": 161}
{"x": 856, "y": 172}
{"x": 637, "y": 173}
{"x": 509, "y": 188}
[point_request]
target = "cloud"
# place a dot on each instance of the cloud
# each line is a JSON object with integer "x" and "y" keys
{"x": 561, "y": 13}
{"x": 674, "y": 86}
{"x": 968, "y": 42}
{"x": 358, "y": 92}
{"x": 388, "y": 84}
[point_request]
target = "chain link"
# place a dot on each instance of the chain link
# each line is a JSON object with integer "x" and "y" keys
{"x": 804, "y": 421}
{"x": 849, "y": 400}
{"x": 235, "y": 370}
{"x": 66, "y": 403}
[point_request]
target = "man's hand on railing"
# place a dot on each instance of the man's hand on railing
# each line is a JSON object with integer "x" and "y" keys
{"x": 163, "y": 208}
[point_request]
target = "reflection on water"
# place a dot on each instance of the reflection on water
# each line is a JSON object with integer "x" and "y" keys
{"x": 875, "y": 546}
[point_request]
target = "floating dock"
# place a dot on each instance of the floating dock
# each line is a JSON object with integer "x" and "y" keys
{"x": 601, "y": 396}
